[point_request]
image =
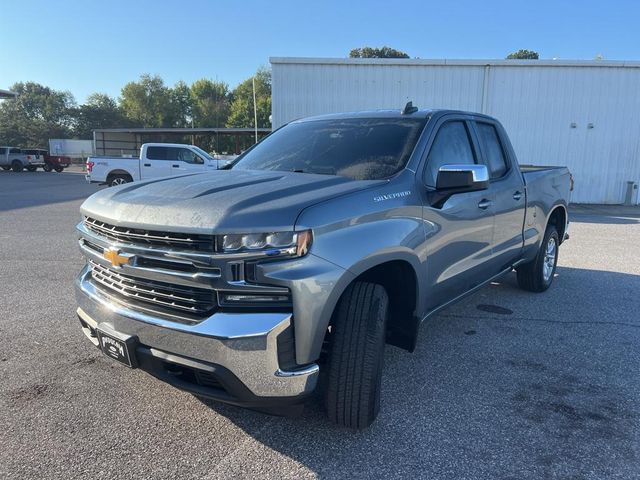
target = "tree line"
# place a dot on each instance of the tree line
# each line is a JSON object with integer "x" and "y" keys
{"x": 39, "y": 112}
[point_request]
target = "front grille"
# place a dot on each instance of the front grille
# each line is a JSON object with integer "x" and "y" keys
{"x": 155, "y": 238}
{"x": 150, "y": 295}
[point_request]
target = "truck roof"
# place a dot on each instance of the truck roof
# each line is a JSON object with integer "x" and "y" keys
{"x": 422, "y": 113}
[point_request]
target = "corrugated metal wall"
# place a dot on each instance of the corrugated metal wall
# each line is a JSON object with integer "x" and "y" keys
{"x": 538, "y": 103}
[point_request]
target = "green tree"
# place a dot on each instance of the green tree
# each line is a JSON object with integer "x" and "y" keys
{"x": 36, "y": 115}
{"x": 384, "y": 52}
{"x": 241, "y": 110}
{"x": 523, "y": 55}
{"x": 149, "y": 103}
{"x": 181, "y": 105}
{"x": 211, "y": 103}
{"x": 99, "y": 111}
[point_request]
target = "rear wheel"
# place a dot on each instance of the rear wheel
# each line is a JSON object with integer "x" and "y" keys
{"x": 356, "y": 355}
{"x": 47, "y": 167}
{"x": 16, "y": 166}
{"x": 32, "y": 168}
{"x": 120, "y": 179}
{"x": 537, "y": 276}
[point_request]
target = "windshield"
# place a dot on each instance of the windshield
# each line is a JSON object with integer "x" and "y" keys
{"x": 358, "y": 148}
{"x": 202, "y": 153}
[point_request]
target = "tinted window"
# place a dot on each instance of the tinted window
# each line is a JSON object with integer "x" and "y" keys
{"x": 492, "y": 149}
{"x": 3, "y": 150}
{"x": 15, "y": 150}
{"x": 157, "y": 153}
{"x": 358, "y": 148}
{"x": 451, "y": 146}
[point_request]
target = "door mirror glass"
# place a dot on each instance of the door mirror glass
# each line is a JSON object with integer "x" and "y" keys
{"x": 462, "y": 178}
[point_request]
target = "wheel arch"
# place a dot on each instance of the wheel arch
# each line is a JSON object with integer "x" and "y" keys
{"x": 558, "y": 217}
{"x": 398, "y": 273}
{"x": 118, "y": 171}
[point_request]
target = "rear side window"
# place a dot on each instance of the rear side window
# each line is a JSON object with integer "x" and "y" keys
{"x": 15, "y": 150}
{"x": 157, "y": 153}
{"x": 492, "y": 149}
{"x": 3, "y": 151}
{"x": 451, "y": 146}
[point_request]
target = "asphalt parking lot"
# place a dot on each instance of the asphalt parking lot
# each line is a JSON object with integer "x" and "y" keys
{"x": 506, "y": 385}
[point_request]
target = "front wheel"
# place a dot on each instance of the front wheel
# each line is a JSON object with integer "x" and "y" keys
{"x": 47, "y": 167}
{"x": 58, "y": 168}
{"x": 32, "y": 168}
{"x": 537, "y": 276}
{"x": 16, "y": 166}
{"x": 356, "y": 354}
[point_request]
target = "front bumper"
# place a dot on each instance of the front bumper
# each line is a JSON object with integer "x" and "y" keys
{"x": 236, "y": 353}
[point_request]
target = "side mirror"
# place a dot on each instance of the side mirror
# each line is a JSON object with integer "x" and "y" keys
{"x": 462, "y": 178}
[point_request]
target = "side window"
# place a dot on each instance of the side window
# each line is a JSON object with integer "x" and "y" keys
{"x": 492, "y": 149}
{"x": 186, "y": 155}
{"x": 451, "y": 146}
{"x": 3, "y": 151}
{"x": 157, "y": 153}
{"x": 15, "y": 150}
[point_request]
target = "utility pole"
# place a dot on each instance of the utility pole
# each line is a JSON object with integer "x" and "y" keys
{"x": 255, "y": 107}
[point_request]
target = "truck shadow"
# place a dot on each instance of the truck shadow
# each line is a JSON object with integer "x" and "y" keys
{"x": 524, "y": 390}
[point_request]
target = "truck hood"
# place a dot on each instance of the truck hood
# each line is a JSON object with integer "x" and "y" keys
{"x": 224, "y": 201}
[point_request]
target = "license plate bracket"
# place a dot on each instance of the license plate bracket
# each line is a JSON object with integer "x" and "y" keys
{"x": 118, "y": 346}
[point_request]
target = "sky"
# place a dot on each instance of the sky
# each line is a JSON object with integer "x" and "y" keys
{"x": 87, "y": 46}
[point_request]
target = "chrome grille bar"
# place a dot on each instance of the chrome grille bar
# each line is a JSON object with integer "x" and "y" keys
{"x": 194, "y": 242}
{"x": 197, "y": 302}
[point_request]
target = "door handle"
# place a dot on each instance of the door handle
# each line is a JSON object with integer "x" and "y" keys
{"x": 484, "y": 204}
{"x": 147, "y": 164}
{"x": 517, "y": 196}
{"x": 175, "y": 166}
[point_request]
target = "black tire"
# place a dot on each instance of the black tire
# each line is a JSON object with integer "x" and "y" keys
{"x": 121, "y": 179}
{"x": 356, "y": 355}
{"x": 531, "y": 276}
{"x": 16, "y": 166}
{"x": 32, "y": 168}
{"x": 58, "y": 168}
{"x": 47, "y": 167}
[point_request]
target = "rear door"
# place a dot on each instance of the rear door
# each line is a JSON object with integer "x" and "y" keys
{"x": 507, "y": 189}
{"x": 459, "y": 232}
{"x": 154, "y": 162}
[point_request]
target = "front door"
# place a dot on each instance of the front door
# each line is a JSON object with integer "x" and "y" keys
{"x": 459, "y": 233}
{"x": 185, "y": 160}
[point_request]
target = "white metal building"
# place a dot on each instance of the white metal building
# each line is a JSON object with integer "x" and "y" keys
{"x": 582, "y": 114}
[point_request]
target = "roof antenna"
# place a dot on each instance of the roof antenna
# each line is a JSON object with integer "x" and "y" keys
{"x": 409, "y": 109}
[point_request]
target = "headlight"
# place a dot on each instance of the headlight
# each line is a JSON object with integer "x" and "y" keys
{"x": 274, "y": 243}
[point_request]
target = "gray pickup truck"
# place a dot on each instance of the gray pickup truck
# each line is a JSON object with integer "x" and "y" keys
{"x": 288, "y": 272}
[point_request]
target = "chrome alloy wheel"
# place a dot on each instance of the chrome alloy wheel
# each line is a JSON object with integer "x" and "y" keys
{"x": 549, "y": 261}
{"x": 118, "y": 181}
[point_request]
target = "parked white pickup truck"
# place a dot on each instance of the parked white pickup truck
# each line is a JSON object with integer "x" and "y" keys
{"x": 156, "y": 160}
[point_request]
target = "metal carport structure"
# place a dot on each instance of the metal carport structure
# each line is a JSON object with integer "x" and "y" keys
{"x": 127, "y": 141}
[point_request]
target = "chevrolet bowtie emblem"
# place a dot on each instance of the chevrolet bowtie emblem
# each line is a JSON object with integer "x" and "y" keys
{"x": 116, "y": 258}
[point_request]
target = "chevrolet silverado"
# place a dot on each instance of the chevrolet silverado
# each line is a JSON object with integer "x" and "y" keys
{"x": 287, "y": 272}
